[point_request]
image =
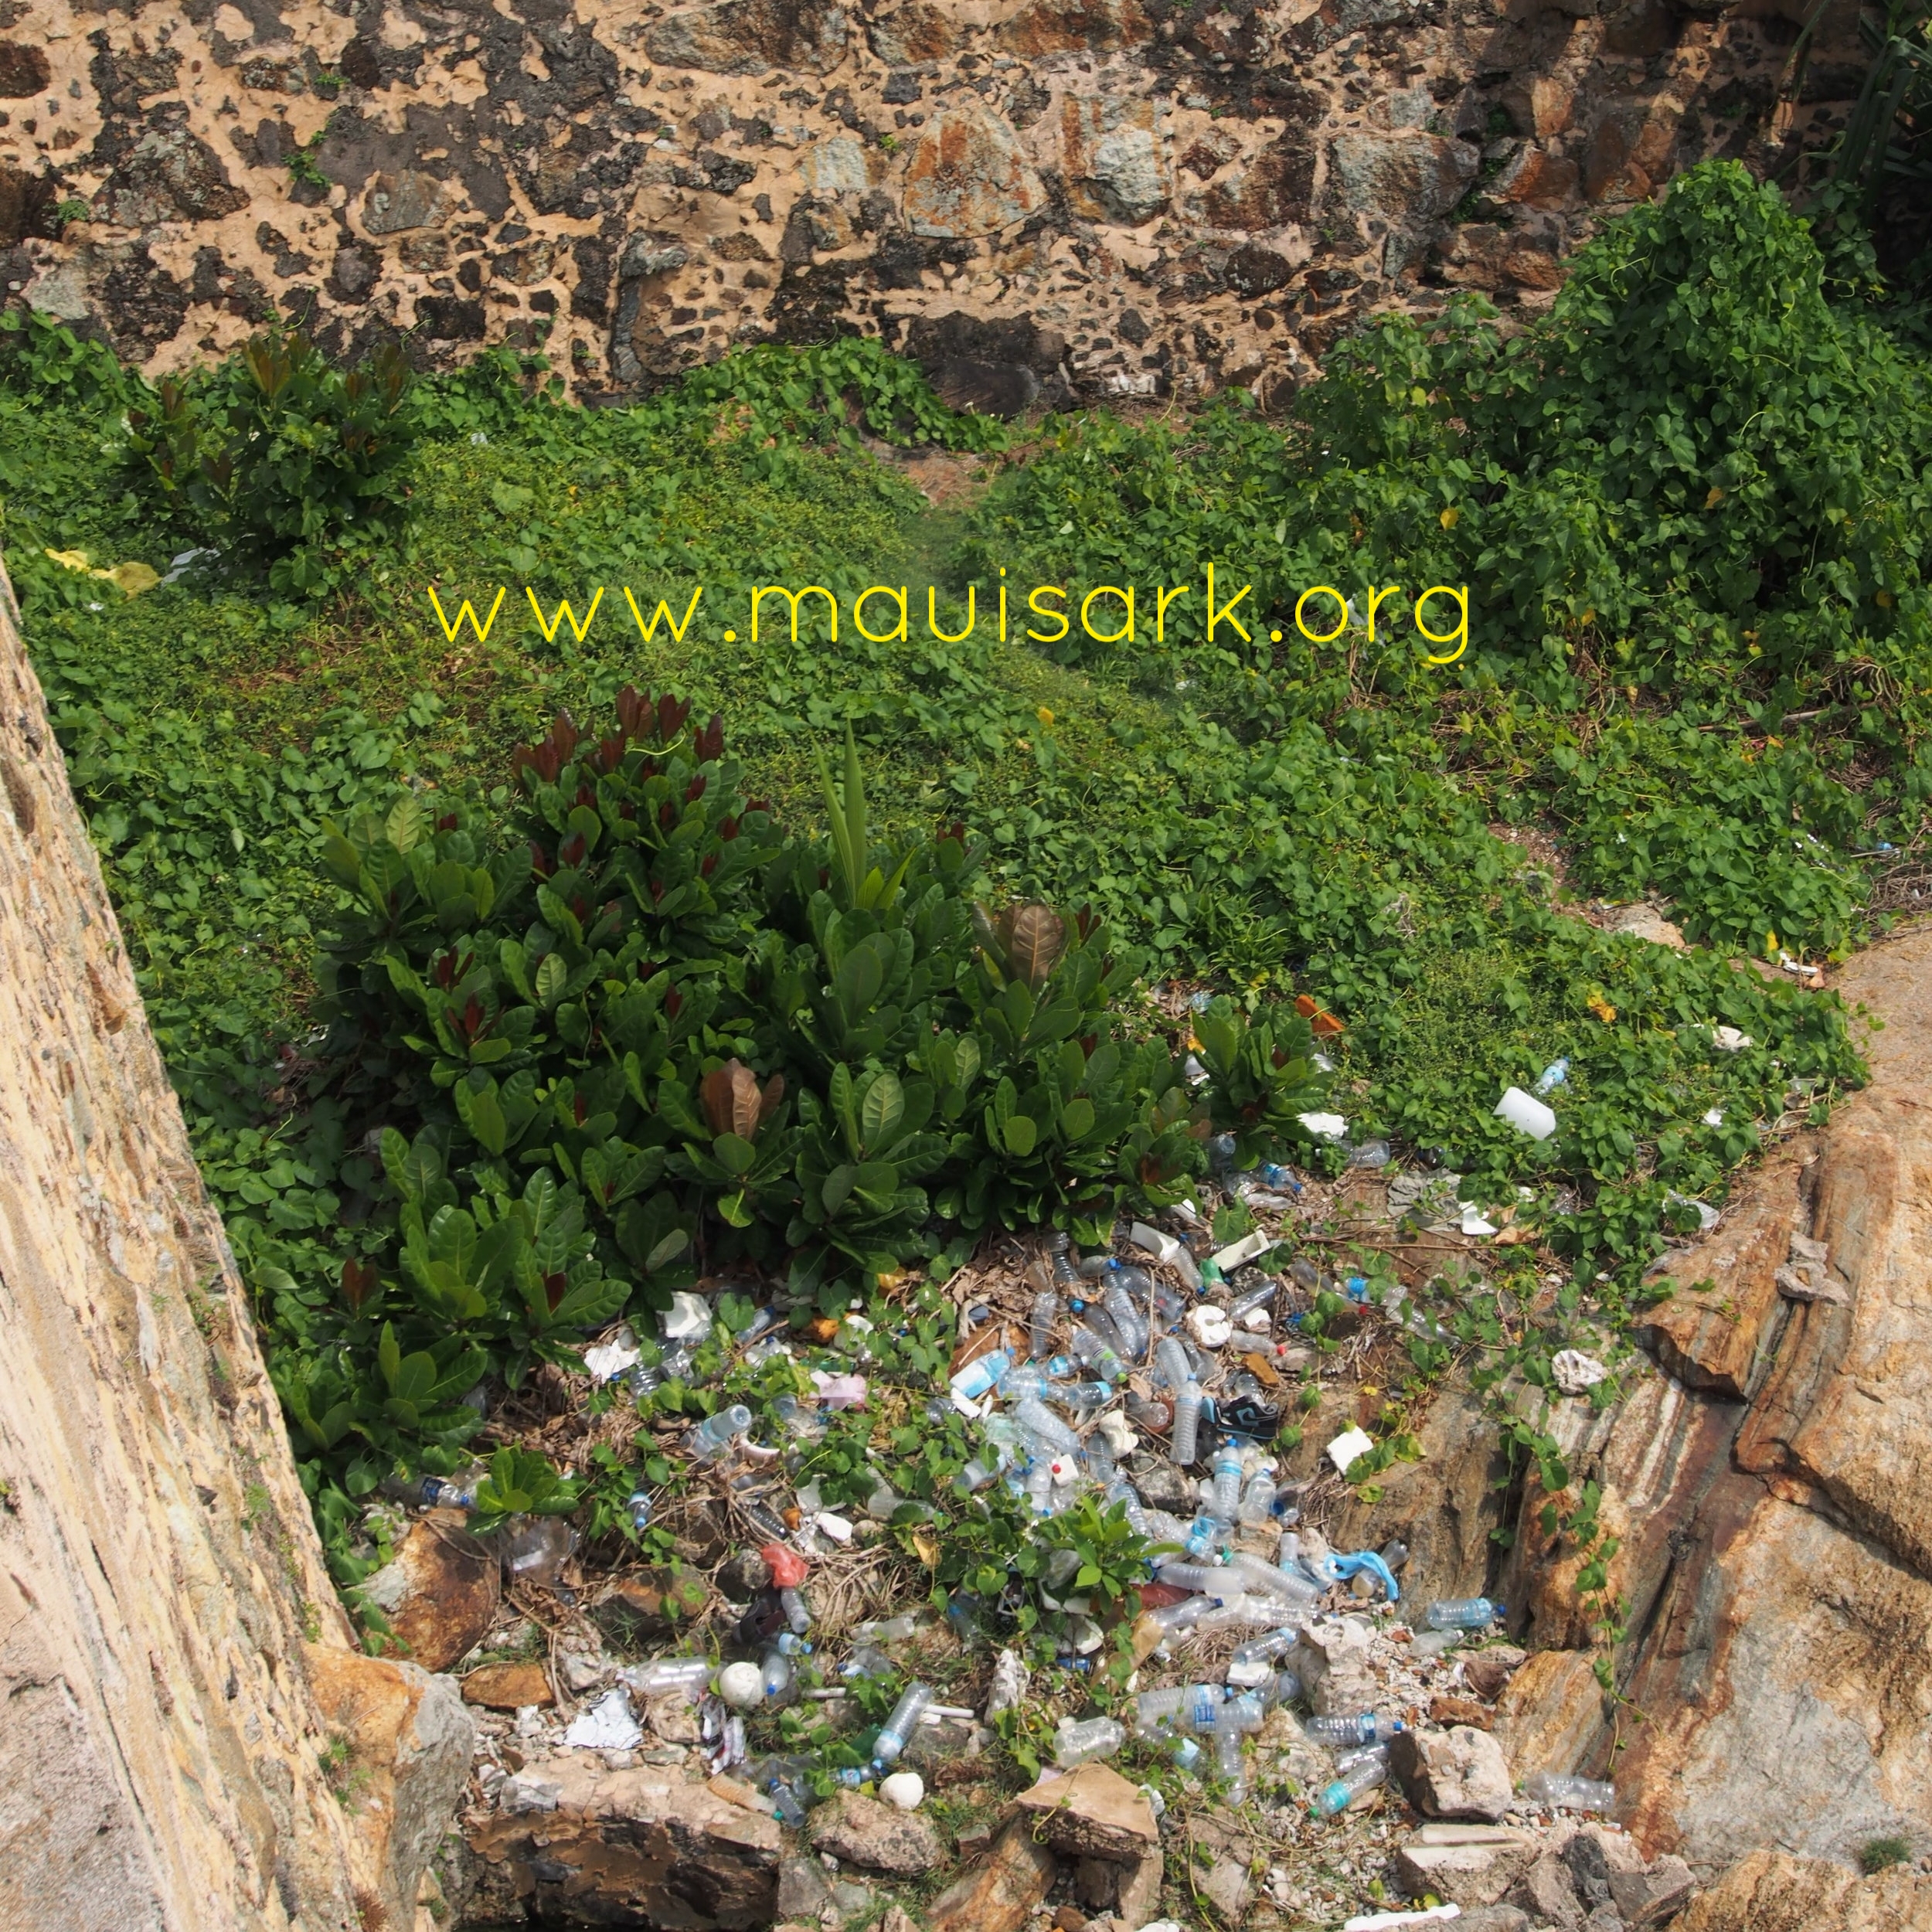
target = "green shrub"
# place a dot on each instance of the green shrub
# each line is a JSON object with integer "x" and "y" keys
{"x": 626, "y": 1021}
{"x": 280, "y": 457}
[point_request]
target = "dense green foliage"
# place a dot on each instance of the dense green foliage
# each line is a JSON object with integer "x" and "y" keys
{"x": 1690, "y": 508}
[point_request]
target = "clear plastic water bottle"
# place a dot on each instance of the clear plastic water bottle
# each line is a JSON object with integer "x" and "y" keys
{"x": 1364, "y": 1727}
{"x": 788, "y": 1643}
{"x": 1230, "y": 1761}
{"x": 1201, "y": 1709}
{"x": 1461, "y": 1612}
{"x": 1572, "y": 1794}
{"x": 1098, "y": 1456}
{"x": 1187, "y": 1422}
{"x": 1552, "y": 1077}
{"x": 1205, "y": 1535}
{"x": 1291, "y": 1586}
{"x": 1066, "y": 1263}
{"x": 716, "y": 1434}
{"x": 637, "y": 1506}
{"x": 983, "y": 1372}
{"x": 1122, "y": 1492}
{"x": 1257, "y": 1500}
{"x": 1206, "y": 1577}
{"x": 1044, "y": 1432}
{"x": 1265, "y": 1650}
{"x": 1045, "y": 1318}
{"x": 1098, "y": 1355}
{"x": 1185, "y": 1753}
{"x": 1081, "y": 1743}
{"x": 1129, "y": 1324}
{"x": 1227, "y": 1479}
{"x": 1172, "y": 1368}
{"x": 798, "y": 1611}
{"x": 775, "y": 1674}
{"x": 1153, "y": 1709}
{"x": 900, "y": 1726}
{"x": 787, "y": 1806}
{"x": 1338, "y": 1796}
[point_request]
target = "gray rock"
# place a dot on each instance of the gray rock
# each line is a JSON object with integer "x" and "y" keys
{"x": 1592, "y": 1855}
{"x": 968, "y": 176}
{"x": 860, "y": 1831}
{"x": 1495, "y": 1918}
{"x": 1652, "y": 1897}
{"x": 752, "y": 36}
{"x": 1459, "y": 1773}
{"x": 804, "y": 1890}
{"x": 1545, "y": 1893}
{"x": 396, "y": 203}
{"x": 1128, "y": 173}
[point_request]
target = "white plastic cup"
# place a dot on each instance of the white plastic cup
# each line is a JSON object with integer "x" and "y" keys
{"x": 1526, "y": 1114}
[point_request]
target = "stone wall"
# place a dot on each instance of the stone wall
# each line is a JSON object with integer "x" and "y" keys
{"x": 1087, "y": 197}
{"x": 173, "y": 1661}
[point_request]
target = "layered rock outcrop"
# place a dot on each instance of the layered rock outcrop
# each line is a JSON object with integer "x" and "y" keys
{"x": 1084, "y": 198}
{"x": 1770, "y": 1483}
{"x": 177, "y": 1681}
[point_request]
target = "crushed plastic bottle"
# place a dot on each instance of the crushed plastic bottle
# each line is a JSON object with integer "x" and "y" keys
{"x": 1257, "y": 1499}
{"x": 1338, "y": 1796}
{"x": 982, "y": 1373}
{"x": 1461, "y": 1612}
{"x": 1080, "y": 1743}
{"x": 1098, "y": 1354}
{"x": 1172, "y": 1368}
{"x": 667, "y": 1677}
{"x": 1187, "y": 1422}
{"x": 1065, "y": 1263}
{"x": 1044, "y": 1318}
{"x": 429, "y": 1492}
{"x": 534, "y": 1550}
{"x": 716, "y": 1434}
{"x": 1572, "y": 1794}
{"x": 1129, "y": 1324}
{"x": 1365, "y": 1727}
{"x": 899, "y": 1728}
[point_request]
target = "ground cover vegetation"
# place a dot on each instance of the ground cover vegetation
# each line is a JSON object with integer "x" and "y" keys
{"x": 509, "y": 984}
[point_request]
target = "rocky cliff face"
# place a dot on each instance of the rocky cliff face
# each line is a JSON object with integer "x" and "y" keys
{"x": 173, "y": 1663}
{"x": 1077, "y": 198}
{"x": 1771, "y": 1484}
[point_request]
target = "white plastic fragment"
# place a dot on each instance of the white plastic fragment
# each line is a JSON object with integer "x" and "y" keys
{"x": 1238, "y": 1253}
{"x": 1714, "y": 1117}
{"x": 606, "y": 1725}
{"x": 1575, "y": 1372}
{"x": 1346, "y": 1447}
{"x": 1473, "y": 1222}
{"x": 609, "y": 1359}
{"x": 1166, "y": 1249}
{"x": 1377, "y": 1921}
{"x": 1009, "y": 1684}
{"x": 836, "y": 1527}
{"x": 904, "y": 1790}
{"x": 1325, "y": 1126}
{"x": 1209, "y": 1325}
{"x": 1731, "y": 1039}
{"x": 1525, "y": 1114}
{"x": 688, "y": 1319}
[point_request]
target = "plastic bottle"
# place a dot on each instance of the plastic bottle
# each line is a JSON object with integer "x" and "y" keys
{"x": 1205, "y": 1535}
{"x": 1046, "y": 1317}
{"x": 1227, "y": 1479}
{"x": 1129, "y": 1324}
{"x": 1156, "y": 1417}
{"x": 1085, "y": 1395}
{"x": 1041, "y": 1429}
{"x": 797, "y": 1612}
{"x": 637, "y": 1506}
{"x": 1079, "y": 1744}
{"x": 1169, "y": 1304}
{"x": 1184, "y": 1753}
{"x": 1098, "y": 1456}
{"x": 1364, "y": 1777}
{"x": 1246, "y": 1304}
{"x": 1122, "y": 1492}
{"x": 1257, "y": 1500}
{"x": 867, "y": 1661}
{"x": 900, "y": 1726}
{"x": 1552, "y": 1077}
{"x": 1155, "y": 1708}
{"x": 1098, "y": 1355}
{"x": 1572, "y": 1794}
{"x": 716, "y": 1434}
{"x": 787, "y": 1806}
{"x": 1365, "y": 1727}
{"x": 983, "y": 1372}
{"x": 1206, "y": 1577}
{"x": 1171, "y": 1365}
{"x": 1064, "y": 1261}
{"x": 776, "y": 1674}
{"x": 789, "y": 1643}
{"x": 887, "y": 1630}
{"x": 664, "y": 1676}
{"x": 1258, "y": 1652}
{"x": 1173, "y": 1618}
{"x": 1187, "y": 1422}
{"x": 1230, "y": 1761}
{"x": 1461, "y": 1612}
